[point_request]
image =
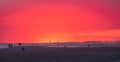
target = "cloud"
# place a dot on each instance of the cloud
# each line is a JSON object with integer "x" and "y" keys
{"x": 106, "y": 33}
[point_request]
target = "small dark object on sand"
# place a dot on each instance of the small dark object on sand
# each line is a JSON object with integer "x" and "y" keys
{"x": 23, "y": 48}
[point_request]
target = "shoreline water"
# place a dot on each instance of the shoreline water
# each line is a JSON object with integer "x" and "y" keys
{"x": 2, "y": 46}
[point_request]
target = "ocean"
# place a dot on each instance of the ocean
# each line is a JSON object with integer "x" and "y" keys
{"x": 2, "y": 46}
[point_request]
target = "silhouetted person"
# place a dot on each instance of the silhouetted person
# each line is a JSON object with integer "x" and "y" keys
{"x": 19, "y": 44}
{"x": 88, "y": 45}
{"x": 10, "y": 45}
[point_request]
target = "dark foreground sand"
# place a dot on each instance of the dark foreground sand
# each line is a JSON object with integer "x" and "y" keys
{"x": 39, "y": 54}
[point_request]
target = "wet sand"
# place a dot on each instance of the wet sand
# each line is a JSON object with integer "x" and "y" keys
{"x": 42, "y": 54}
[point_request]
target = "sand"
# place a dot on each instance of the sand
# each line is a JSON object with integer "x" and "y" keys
{"x": 43, "y": 54}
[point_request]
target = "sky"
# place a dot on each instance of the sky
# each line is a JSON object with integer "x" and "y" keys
{"x": 31, "y": 21}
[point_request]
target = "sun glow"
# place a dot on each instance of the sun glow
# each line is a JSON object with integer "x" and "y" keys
{"x": 54, "y": 37}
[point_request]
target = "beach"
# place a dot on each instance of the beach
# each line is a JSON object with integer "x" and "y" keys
{"x": 45, "y": 54}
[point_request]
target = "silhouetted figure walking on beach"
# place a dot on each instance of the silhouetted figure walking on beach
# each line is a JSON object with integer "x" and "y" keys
{"x": 10, "y": 45}
{"x": 88, "y": 45}
{"x": 19, "y": 44}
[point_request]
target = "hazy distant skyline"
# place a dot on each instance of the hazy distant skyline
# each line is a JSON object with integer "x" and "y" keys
{"x": 59, "y": 20}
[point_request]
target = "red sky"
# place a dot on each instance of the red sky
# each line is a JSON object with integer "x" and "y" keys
{"x": 59, "y": 20}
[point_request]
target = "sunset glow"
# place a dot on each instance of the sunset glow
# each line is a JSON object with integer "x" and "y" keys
{"x": 59, "y": 21}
